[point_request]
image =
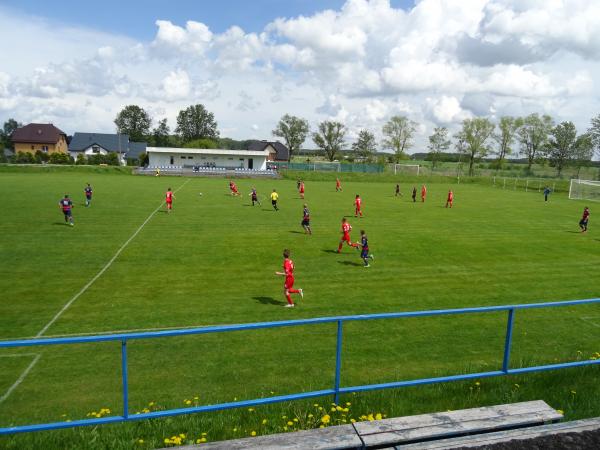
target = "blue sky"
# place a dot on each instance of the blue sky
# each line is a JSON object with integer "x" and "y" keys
{"x": 360, "y": 62}
{"x": 136, "y": 18}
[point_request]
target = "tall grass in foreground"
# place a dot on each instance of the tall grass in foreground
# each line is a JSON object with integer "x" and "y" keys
{"x": 573, "y": 391}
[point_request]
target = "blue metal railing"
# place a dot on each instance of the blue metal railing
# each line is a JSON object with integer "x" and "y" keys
{"x": 335, "y": 391}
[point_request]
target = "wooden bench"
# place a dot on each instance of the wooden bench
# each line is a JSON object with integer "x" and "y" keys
{"x": 402, "y": 431}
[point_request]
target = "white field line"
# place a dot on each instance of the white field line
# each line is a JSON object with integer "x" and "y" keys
{"x": 76, "y": 296}
{"x": 19, "y": 355}
{"x": 20, "y": 379}
{"x": 594, "y": 321}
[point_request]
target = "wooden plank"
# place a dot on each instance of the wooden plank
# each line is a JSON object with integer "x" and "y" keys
{"x": 426, "y": 420}
{"x": 575, "y": 426}
{"x": 341, "y": 437}
{"x": 452, "y": 429}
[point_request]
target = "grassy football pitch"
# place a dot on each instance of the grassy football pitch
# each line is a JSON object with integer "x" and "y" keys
{"x": 213, "y": 261}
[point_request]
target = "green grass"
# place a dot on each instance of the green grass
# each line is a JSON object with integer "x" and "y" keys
{"x": 213, "y": 261}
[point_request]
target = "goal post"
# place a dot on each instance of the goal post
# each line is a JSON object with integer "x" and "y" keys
{"x": 413, "y": 169}
{"x": 584, "y": 190}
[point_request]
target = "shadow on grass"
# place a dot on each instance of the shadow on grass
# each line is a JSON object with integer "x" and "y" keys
{"x": 269, "y": 301}
{"x": 297, "y": 232}
{"x": 350, "y": 263}
{"x": 574, "y": 232}
{"x": 61, "y": 223}
{"x": 329, "y": 251}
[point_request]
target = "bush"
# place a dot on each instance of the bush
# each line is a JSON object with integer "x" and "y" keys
{"x": 60, "y": 158}
{"x": 23, "y": 158}
{"x": 200, "y": 143}
{"x": 41, "y": 157}
{"x": 81, "y": 160}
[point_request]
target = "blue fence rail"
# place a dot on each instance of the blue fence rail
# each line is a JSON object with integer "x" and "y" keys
{"x": 335, "y": 391}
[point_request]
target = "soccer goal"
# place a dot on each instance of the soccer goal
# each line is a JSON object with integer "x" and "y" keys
{"x": 584, "y": 190}
{"x": 412, "y": 169}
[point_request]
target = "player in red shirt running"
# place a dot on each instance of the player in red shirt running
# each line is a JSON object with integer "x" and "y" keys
{"x": 338, "y": 185}
{"x": 301, "y": 189}
{"x": 584, "y": 220}
{"x": 233, "y": 188}
{"x": 346, "y": 229}
{"x": 169, "y": 196}
{"x": 288, "y": 273}
{"x": 450, "y": 199}
{"x": 357, "y": 206}
{"x": 423, "y": 193}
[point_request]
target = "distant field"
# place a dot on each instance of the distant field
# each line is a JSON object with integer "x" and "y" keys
{"x": 212, "y": 261}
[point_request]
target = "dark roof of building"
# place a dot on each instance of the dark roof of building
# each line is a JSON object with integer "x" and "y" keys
{"x": 110, "y": 142}
{"x": 282, "y": 152}
{"x": 41, "y": 133}
{"x": 135, "y": 149}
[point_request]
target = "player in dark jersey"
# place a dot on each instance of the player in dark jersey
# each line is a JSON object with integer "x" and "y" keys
{"x": 414, "y": 194}
{"x": 398, "y": 193}
{"x": 88, "y": 195}
{"x": 288, "y": 273}
{"x": 254, "y": 197}
{"x": 583, "y": 223}
{"x": 364, "y": 245}
{"x": 306, "y": 220}
{"x": 66, "y": 205}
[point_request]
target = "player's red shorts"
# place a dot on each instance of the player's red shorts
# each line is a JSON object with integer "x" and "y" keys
{"x": 289, "y": 282}
{"x": 346, "y": 238}
{"x": 169, "y": 204}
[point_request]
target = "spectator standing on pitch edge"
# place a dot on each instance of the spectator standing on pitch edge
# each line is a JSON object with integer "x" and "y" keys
{"x": 583, "y": 223}
{"x": 88, "y": 195}
{"x": 65, "y": 204}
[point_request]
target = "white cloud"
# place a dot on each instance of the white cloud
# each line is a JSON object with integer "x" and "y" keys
{"x": 172, "y": 39}
{"x": 446, "y": 110}
{"x": 176, "y": 85}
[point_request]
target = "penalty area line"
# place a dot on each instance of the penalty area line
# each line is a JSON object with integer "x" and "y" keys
{"x": 80, "y": 293}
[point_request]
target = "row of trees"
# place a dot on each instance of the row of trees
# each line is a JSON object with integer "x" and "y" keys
{"x": 534, "y": 136}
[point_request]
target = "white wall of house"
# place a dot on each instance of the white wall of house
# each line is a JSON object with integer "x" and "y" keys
{"x": 233, "y": 160}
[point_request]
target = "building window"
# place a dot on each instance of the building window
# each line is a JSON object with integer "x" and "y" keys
{"x": 32, "y": 147}
{"x": 45, "y": 148}
{"x": 230, "y": 159}
{"x": 95, "y": 149}
{"x": 190, "y": 157}
{"x": 183, "y": 157}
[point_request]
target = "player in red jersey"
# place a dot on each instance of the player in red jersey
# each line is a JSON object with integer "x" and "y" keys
{"x": 169, "y": 196}
{"x": 301, "y": 189}
{"x": 288, "y": 273}
{"x": 423, "y": 193}
{"x": 357, "y": 206}
{"x": 584, "y": 220}
{"x": 233, "y": 188}
{"x": 338, "y": 185}
{"x": 450, "y": 199}
{"x": 346, "y": 229}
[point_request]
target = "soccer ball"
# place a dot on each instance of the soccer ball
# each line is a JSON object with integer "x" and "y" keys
{"x": 199, "y": 193}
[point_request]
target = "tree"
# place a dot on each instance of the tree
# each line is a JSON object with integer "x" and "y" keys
{"x": 195, "y": 122}
{"x": 293, "y": 130}
{"x": 584, "y": 150}
{"x": 200, "y": 143}
{"x": 507, "y": 130}
{"x": 561, "y": 145}
{"x": 533, "y": 136}
{"x": 330, "y": 138}
{"x": 473, "y": 139}
{"x": 81, "y": 159}
{"x": 134, "y": 121}
{"x": 160, "y": 134}
{"x": 594, "y": 132}
{"x": 5, "y": 133}
{"x": 365, "y": 146}
{"x": 438, "y": 144}
{"x": 60, "y": 158}
{"x": 399, "y": 131}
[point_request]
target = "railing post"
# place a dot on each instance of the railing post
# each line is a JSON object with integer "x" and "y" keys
{"x": 508, "y": 340}
{"x": 338, "y": 363}
{"x": 124, "y": 378}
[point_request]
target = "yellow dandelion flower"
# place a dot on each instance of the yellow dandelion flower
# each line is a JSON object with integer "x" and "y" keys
{"x": 290, "y": 423}
{"x": 284, "y": 428}
{"x": 573, "y": 392}
{"x": 264, "y": 421}
{"x": 326, "y": 418}
{"x": 151, "y": 404}
{"x": 201, "y": 440}
{"x": 195, "y": 398}
{"x": 348, "y": 404}
{"x": 188, "y": 402}
{"x": 346, "y": 410}
{"x": 333, "y": 409}
{"x": 320, "y": 408}
{"x": 310, "y": 416}
{"x": 182, "y": 436}
{"x": 140, "y": 441}
{"x": 253, "y": 434}
{"x": 234, "y": 430}
{"x": 560, "y": 411}
{"x": 378, "y": 416}
{"x": 167, "y": 441}
{"x": 250, "y": 409}
{"x": 204, "y": 434}
{"x": 352, "y": 420}
{"x": 321, "y": 426}
{"x": 370, "y": 417}
{"x": 295, "y": 419}
{"x": 316, "y": 405}
{"x": 477, "y": 383}
{"x": 284, "y": 417}
{"x": 68, "y": 420}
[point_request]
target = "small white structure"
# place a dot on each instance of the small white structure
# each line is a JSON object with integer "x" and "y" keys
{"x": 165, "y": 157}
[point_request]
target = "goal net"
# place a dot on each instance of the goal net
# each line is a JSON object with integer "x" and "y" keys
{"x": 584, "y": 190}
{"x": 412, "y": 169}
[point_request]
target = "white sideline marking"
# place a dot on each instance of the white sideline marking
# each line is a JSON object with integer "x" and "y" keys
{"x": 19, "y": 355}
{"x": 20, "y": 379}
{"x": 589, "y": 321}
{"x": 76, "y": 296}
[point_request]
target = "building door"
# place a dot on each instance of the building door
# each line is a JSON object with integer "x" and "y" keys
{"x": 172, "y": 160}
{"x": 250, "y": 163}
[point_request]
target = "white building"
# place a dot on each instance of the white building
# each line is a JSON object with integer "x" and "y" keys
{"x": 166, "y": 157}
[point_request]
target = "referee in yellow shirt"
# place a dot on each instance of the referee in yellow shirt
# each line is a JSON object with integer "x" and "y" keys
{"x": 274, "y": 197}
